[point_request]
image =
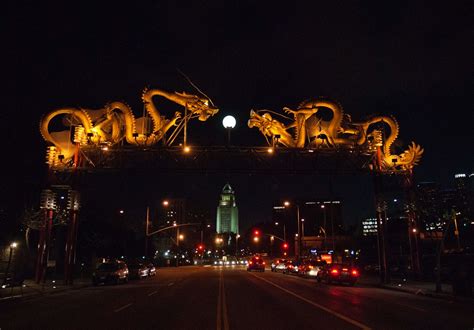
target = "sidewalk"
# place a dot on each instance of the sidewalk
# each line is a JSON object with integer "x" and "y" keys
{"x": 415, "y": 287}
{"x": 30, "y": 288}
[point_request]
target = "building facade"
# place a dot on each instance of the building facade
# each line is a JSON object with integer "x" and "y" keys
{"x": 227, "y": 220}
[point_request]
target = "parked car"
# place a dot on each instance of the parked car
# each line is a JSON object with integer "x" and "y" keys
{"x": 339, "y": 273}
{"x": 111, "y": 272}
{"x": 256, "y": 263}
{"x": 311, "y": 267}
{"x": 138, "y": 270}
{"x": 275, "y": 263}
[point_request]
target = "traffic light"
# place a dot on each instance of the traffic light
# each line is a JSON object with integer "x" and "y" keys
{"x": 256, "y": 235}
{"x": 200, "y": 247}
{"x": 285, "y": 246}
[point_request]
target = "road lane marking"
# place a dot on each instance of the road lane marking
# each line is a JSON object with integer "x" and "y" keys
{"x": 122, "y": 308}
{"x": 224, "y": 306}
{"x": 222, "y": 320}
{"x": 170, "y": 284}
{"x": 342, "y": 317}
{"x": 351, "y": 293}
{"x": 152, "y": 293}
{"x": 219, "y": 318}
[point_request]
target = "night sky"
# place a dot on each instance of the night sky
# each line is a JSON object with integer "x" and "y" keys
{"x": 410, "y": 59}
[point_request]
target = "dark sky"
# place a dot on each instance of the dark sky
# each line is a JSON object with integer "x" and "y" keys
{"x": 410, "y": 59}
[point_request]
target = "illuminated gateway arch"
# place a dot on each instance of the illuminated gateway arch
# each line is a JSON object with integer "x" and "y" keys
{"x": 316, "y": 137}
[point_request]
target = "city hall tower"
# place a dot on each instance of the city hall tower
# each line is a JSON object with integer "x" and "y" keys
{"x": 227, "y": 213}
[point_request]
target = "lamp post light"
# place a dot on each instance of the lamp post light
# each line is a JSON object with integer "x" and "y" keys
{"x": 229, "y": 123}
{"x": 236, "y": 243}
{"x": 298, "y": 223}
{"x": 302, "y": 228}
{"x": 324, "y": 223}
{"x": 13, "y": 246}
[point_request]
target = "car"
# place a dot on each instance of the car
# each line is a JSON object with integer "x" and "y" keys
{"x": 256, "y": 263}
{"x": 281, "y": 267}
{"x": 292, "y": 267}
{"x": 275, "y": 264}
{"x": 138, "y": 270}
{"x": 151, "y": 270}
{"x": 311, "y": 267}
{"x": 340, "y": 273}
{"x": 110, "y": 272}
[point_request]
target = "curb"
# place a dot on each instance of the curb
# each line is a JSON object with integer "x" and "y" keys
{"x": 38, "y": 293}
{"x": 421, "y": 292}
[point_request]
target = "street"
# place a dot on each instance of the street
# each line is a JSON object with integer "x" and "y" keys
{"x": 231, "y": 298}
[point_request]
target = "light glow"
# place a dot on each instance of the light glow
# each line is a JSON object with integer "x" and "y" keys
{"x": 229, "y": 122}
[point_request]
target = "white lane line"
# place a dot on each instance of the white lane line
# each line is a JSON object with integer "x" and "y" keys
{"x": 122, "y": 308}
{"x": 152, "y": 293}
{"x": 170, "y": 284}
{"x": 342, "y": 317}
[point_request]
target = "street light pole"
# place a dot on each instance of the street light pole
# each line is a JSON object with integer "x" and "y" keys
{"x": 12, "y": 246}
{"x": 236, "y": 243}
{"x": 146, "y": 230}
{"x": 324, "y": 224}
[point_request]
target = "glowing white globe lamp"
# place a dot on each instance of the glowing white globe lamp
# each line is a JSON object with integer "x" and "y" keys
{"x": 229, "y": 122}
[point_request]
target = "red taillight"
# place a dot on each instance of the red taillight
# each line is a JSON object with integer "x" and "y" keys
{"x": 310, "y": 267}
{"x": 334, "y": 271}
{"x": 355, "y": 272}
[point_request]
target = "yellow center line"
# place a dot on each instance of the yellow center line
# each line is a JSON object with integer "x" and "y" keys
{"x": 219, "y": 318}
{"x": 224, "y": 306}
{"x": 338, "y": 315}
{"x": 222, "y": 316}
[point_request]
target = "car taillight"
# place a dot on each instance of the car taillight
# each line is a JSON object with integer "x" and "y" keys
{"x": 334, "y": 271}
{"x": 310, "y": 267}
{"x": 355, "y": 272}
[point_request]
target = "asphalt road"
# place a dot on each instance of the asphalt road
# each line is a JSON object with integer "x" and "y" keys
{"x": 232, "y": 298}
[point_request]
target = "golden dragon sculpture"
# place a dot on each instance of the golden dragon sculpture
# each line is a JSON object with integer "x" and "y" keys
{"x": 311, "y": 126}
{"x": 116, "y": 122}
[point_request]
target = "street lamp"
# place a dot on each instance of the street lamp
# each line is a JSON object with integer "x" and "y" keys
{"x": 13, "y": 246}
{"x": 302, "y": 228}
{"x": 236, "y": 243}
{"x": 284, "y": 230}
{"x": 324, "y": 223}
{"x": 286, "y": 204}
{"x": 229, "y": 123}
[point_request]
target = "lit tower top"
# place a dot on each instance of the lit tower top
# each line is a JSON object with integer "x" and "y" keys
{"x": 227, "y": 220}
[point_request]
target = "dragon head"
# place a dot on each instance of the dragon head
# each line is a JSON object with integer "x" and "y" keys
{"x": 200, "y": 106}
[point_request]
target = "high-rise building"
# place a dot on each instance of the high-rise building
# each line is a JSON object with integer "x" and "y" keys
{"x": 227, "y": 213}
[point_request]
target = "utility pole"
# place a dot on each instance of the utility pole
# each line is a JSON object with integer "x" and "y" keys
{"x": 147, "y": 226}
